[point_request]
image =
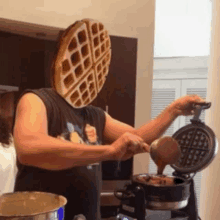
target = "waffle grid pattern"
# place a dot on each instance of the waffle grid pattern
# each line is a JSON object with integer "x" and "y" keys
{"x": 85, "y": 92}
{"x": 85, "y": 64}
{"x": 99, "y": 38}
{"x": 77, "y": 60}
{"x": 194, "y": 146}
{"x": 102, "y": 68}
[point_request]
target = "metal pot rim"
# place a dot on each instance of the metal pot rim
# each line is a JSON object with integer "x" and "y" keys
{"x": 134, "y": 179}
{"x": 62, "y": 198}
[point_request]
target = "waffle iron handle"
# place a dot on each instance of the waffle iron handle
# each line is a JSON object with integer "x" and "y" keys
{"x": 199, "y": 107}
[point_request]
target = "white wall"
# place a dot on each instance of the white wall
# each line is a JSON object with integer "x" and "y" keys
{"x": 182, "y": 28}
{"x": 210, "y": 189}
{"x": 129, "y": 18}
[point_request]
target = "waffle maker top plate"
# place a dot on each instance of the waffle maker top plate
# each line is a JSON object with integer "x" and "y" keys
{"x": 197, "y": 142}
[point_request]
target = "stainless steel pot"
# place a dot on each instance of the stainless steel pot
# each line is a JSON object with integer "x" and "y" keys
{"x": 32, "y": 206}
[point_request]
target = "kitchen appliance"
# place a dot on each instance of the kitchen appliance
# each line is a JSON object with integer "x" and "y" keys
{"x": 32, "y": 206}
{"x": 198, "y": 148}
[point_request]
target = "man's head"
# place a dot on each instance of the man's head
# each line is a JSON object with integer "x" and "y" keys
{"x": 81, "y": 62}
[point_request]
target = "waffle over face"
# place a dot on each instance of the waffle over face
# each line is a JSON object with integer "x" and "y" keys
{"x": 82, "y": 62}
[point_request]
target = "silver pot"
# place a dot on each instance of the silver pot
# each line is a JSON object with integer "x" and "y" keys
{"x": 32, "y": 206}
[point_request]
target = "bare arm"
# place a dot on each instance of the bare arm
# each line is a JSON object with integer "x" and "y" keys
{"x": 156, "y": 127}
{"x": 36, "y": 148}
{"x": 148, "y": 132}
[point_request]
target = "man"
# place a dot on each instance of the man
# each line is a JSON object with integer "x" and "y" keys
{"x": 59, "y": 147}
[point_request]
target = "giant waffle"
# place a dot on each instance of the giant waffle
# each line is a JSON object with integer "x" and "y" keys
{"x": 82, "y": 62}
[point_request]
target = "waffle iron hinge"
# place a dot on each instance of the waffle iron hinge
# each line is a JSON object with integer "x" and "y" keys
{"x": 195, "y": 119}
{"x": 198, "y": 108}
{"x": 179, "y": 174}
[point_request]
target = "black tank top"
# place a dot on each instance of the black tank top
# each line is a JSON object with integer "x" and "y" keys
{"x": 80, "y": 185}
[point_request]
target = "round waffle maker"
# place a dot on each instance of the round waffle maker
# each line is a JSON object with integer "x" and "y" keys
{"x": 198, "y": 148}
{"x": 197, "y": 142}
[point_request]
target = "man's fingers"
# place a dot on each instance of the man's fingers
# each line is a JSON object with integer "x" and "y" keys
{"x": 139, "y": 147}
{"x": 146, "y": 147}
{"x": 134, "y": 145}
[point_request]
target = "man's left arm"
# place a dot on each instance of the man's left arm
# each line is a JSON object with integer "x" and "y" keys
{"x": 156, "y": 127}
{"x": 148, "y": 132}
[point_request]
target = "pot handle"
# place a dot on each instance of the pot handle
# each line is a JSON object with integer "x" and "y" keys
{"x": 123, "y": 194}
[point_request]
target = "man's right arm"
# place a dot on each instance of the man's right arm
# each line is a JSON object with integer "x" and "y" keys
{"x": 35, "y": 147}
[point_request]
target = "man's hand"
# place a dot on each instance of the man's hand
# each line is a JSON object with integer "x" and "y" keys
{"x": 184, "y": 105}
{"x": 127, "y": 145}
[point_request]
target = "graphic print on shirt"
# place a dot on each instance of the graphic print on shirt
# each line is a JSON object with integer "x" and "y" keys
{"x": 76, "y": 135}
{"x": 91, "y": 134}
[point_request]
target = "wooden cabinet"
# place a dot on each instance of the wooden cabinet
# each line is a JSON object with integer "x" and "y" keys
{"x": 31, "y": 63}
{"x": 22, "y": 61}
{"x": 9, "y": 59}
{"x": 118, "y": 96}
{"x": 118, "y": 93}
